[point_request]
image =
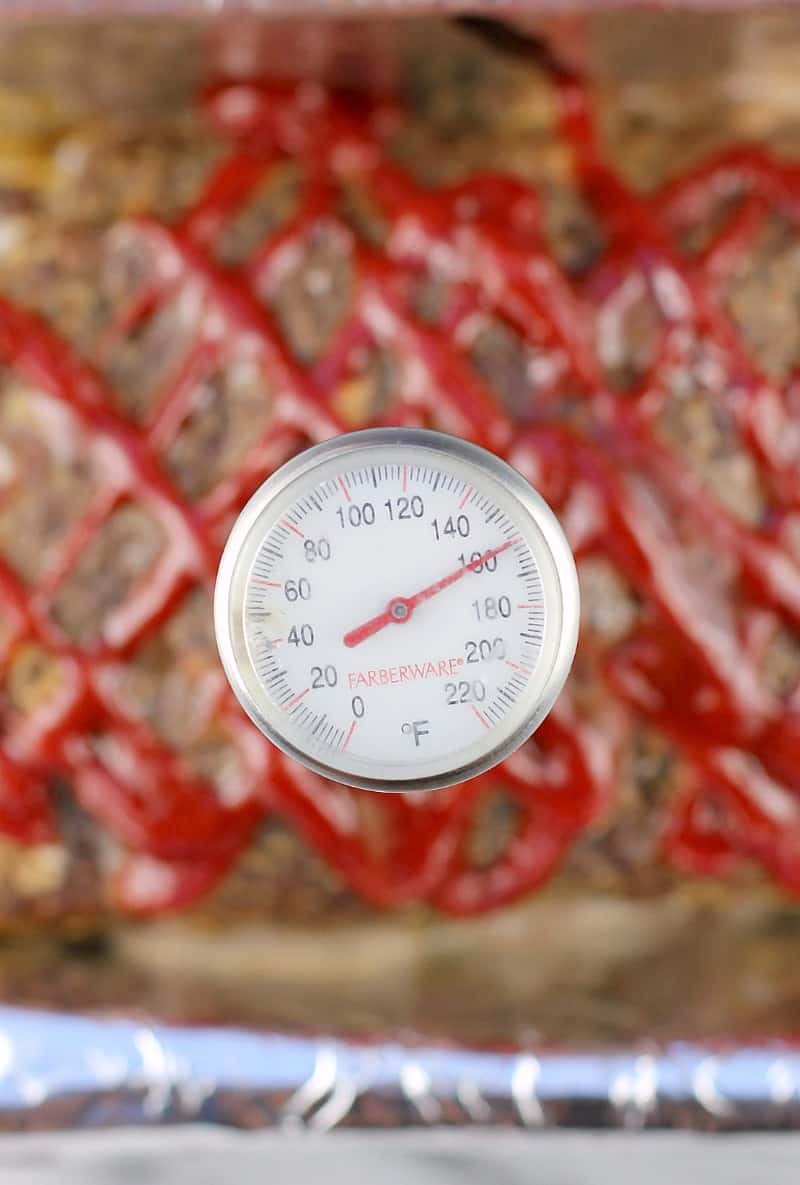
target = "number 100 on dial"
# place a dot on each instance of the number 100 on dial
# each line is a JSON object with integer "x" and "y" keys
{"x": 397, "y": 609}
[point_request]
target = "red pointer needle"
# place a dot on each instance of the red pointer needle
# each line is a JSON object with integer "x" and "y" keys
{"x": 399, "y": 609}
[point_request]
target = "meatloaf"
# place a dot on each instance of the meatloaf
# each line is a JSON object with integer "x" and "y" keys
{"x": 577, "y": 245}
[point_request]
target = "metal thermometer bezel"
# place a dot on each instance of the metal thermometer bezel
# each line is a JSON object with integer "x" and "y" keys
{"x": 231, "y": 583}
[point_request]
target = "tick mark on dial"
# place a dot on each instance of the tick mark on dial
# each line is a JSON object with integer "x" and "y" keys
{"x": 350, "y": 732}
{"x": 480, "y": 716}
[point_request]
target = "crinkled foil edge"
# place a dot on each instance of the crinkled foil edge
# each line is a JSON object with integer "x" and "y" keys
{"x": 60, "y": 1071}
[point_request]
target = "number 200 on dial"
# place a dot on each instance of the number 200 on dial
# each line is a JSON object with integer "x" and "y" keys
{"x": 397, "y": 609}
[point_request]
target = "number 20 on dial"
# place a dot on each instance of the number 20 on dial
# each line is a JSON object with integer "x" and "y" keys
{"x": 397, "y": 609}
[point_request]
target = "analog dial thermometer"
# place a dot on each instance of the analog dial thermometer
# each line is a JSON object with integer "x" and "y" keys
{"x": 397, "y": 609}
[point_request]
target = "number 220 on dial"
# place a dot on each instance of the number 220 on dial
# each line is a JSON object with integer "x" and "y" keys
{"x": 397, "y": 609}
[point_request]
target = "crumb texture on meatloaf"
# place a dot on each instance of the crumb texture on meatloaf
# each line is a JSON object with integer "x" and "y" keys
{"x": 577, "y": 270}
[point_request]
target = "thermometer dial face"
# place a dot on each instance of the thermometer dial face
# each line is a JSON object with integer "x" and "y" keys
{"x": 397, "y": 609}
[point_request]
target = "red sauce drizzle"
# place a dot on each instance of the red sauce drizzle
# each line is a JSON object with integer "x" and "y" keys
{"x": 694, "y": 678}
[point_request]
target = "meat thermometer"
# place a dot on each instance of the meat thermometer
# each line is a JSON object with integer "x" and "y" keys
{"x": 397, "y": 609}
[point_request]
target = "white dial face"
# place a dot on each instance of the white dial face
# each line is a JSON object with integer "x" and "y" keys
{"x": 395, "y": 610}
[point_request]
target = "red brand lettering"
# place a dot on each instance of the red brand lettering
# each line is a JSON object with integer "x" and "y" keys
{"x": 410, "y": 673}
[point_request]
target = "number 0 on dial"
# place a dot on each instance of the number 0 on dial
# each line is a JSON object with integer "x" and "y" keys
{"x": 397, "y": 609}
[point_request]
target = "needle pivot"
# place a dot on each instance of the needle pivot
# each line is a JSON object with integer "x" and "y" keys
{"x": 399, "y": 609}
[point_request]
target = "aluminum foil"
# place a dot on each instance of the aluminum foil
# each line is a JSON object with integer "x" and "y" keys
{"x": 61, "y": 1071}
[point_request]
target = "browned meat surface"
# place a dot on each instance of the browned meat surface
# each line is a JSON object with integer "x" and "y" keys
{"x": 621, "y": 943}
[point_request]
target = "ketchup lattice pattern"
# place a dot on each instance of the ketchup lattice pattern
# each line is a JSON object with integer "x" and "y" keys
{"x": 425, "y": 269}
